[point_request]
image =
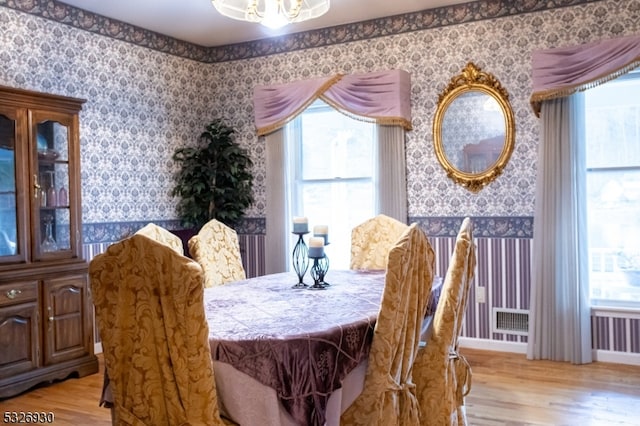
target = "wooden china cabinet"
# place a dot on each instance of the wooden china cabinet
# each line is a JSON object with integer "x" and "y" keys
{"x": 46, "y": 316}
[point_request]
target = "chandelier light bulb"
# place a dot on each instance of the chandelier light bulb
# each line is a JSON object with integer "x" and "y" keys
{"x": 274, "y": 17}
{"x": 272, "y": 13}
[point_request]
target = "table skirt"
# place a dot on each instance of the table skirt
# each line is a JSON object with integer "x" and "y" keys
{"x": 248, "y": 402}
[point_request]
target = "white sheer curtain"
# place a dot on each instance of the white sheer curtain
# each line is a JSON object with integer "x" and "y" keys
{"x": 560, "y": 327}
{"x": 277, "y": 208}
{"x": 392, "y": 176}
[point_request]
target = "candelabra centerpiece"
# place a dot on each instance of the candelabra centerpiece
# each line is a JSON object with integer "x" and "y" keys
{"x": 320, "y": 265}
{"x": 300, "y": 259}
{"x": 300, "y": 255}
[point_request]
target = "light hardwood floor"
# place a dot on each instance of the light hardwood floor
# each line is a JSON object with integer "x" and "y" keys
{"x": 506, "y": 390}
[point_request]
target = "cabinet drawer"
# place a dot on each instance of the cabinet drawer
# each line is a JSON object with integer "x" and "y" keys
{"x": 11, "y": 294}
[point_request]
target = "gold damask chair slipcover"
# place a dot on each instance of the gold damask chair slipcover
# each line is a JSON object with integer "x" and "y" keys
{"x": 217, "y": 249}
{"x": 162, "y": 235}
{"x": 443, "y": 376}
{"x": 150, "y": 315}
{"x": 388, "y": 397}
{"x": 372, "y": 240}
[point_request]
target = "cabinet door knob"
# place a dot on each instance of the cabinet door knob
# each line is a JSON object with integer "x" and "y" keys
{"x": 11, "y": 294}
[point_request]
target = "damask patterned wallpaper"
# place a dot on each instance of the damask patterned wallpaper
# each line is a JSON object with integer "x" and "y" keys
{"x": 143, "y": 102}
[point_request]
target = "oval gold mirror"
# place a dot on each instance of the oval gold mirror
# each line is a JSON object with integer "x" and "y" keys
{"x": 473, "y": 129}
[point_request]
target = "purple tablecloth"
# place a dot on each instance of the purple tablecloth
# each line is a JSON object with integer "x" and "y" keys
{"x": 300, "y": 342}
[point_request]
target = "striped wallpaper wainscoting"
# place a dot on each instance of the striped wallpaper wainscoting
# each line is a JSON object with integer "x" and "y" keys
{"x": 252, "y": 248}
{"x": 615, "y": 331}
{"x": 91, "y": 250}
{"x": 503, "y": 270}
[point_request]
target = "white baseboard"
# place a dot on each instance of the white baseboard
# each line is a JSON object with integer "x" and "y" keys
{"x": 492, "y": 345}
{"x": 616, "y": 357}
{"x": 521, "y": 348}
{"x": 97, "y": 348}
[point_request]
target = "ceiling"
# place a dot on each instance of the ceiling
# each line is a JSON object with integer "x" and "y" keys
{"x": 197, "y": 21}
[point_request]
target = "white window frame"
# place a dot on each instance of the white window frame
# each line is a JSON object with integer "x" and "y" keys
{"x": 606, "y": 262}
{"x": 293, "y": 143}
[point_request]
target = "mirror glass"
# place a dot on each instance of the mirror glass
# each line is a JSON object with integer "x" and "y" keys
{"x": 473, "y": 128}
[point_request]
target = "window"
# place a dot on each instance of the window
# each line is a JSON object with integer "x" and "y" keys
{"x": 612, "y": 113}
{"x": 332, "y": 163}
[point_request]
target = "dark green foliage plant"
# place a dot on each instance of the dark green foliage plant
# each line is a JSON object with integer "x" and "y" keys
{"x": 214, "y": 180}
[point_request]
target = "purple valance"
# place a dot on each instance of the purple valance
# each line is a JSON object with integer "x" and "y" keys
{"x": 561, "y": 72}
{"x": 382, "y": 97}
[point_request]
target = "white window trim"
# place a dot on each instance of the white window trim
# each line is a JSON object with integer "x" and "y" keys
{"x": 601, "y": 306}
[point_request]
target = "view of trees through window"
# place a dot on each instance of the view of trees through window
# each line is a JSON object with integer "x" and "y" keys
{"x": 612, "y": 120}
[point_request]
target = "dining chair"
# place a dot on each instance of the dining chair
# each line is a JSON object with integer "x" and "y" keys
{"x": 441, "y": 374}
{"x": 372, "y": 240}
{"x": 217, "y": 249}
{"x": 388, "y": 396}
{"x": 150, "y": 315}
{"x": 163, "y": 236}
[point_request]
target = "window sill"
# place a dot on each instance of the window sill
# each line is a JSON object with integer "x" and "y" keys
{"x": 609, "y": 308}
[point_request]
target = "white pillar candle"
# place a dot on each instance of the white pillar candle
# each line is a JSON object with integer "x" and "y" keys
{"x": 300, "y": 224}
{"x": 316, "y": 247}
{"x": 321, "y": 231}
{"x": 316, "y": 242}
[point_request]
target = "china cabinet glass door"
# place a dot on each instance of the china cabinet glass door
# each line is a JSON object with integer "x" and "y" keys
{"x": 12, "y": 238}
{"x": 53, "y": 213}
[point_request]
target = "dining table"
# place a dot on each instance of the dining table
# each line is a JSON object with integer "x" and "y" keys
{"x": 283, "y": 355}
{"x": 290, "y": 356}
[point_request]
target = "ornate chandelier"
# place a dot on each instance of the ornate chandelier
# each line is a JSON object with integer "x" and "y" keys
{"x": 272, "y": 13}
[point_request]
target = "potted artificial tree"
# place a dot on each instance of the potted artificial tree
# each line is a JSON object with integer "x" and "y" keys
{"x": 214, "y": 180}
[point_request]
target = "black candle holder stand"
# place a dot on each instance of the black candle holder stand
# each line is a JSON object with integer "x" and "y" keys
{"x": 300, "y": 257}
{"x": 319, "y": 269}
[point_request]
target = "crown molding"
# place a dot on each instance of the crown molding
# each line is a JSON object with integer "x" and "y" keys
{"x": 382, "y": 27}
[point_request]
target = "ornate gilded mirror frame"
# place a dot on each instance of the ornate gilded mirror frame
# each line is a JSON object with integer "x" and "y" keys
{"x": 473, "y": 128}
